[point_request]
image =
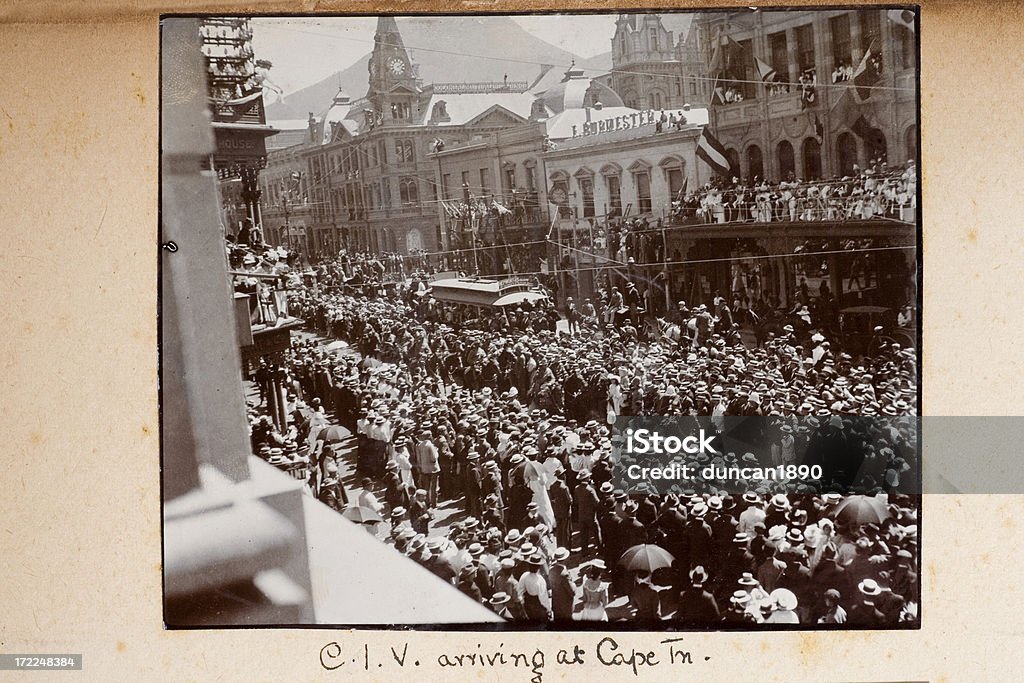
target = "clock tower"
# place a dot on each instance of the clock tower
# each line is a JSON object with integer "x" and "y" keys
{"x": 393, "y": 88}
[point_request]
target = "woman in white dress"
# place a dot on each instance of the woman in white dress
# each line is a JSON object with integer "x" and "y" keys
{"x": 595, "y": 597}
{"x": 400, "y": 456}
{"x": 538, "y": 480}
{"x": 614, "y": 398}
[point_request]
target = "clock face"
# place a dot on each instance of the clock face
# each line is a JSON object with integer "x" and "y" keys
{"x": 396, "y": 66}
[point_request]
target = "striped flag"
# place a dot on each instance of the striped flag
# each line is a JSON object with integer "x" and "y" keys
{"x": 766, "y": 72}
{"x": 713, "y": 153}
{"x": 865, "y": 76}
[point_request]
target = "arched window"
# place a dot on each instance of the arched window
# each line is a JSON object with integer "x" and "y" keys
{"x": 910, "y": 143}
{"x": 559, "y": 193}
{"x": 734, "y": 161}
{"x": 641, "y": 171}
{"x": 409, "y": 192}
{"x": 413, "y": 240}
{"x": 787, "y": 164}
{"x": 585, "y": 181}
{"x": 673, "y": 169}
{"x": 755, "y": 164}
{"x": 875, "y": 146}
{"x": 612, "y": 173}
{"x": 812, "y": 159}
{"x": 846, "y": 153}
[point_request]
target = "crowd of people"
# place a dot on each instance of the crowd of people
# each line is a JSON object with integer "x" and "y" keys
{"x": 875, "y": 191}
{"x": 514, "y": 424}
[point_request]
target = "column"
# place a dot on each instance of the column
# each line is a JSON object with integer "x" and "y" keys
{"x": 793, "y": 56}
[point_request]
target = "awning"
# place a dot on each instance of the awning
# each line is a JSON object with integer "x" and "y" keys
{"x": 518, "y": 298}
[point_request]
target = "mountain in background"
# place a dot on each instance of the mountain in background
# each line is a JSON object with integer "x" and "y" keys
{"x": 517, "y": 54}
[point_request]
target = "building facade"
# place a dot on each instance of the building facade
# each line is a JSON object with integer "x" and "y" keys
{"x": 369, "y": 180}
{"x": 656, "y": 63}
{"x": 811, "y": 123}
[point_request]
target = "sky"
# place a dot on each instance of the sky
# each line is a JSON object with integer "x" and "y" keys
{"x": 305, "y": 50}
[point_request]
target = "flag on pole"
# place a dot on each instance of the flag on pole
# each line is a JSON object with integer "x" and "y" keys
{"x": 717, "y": 58}
{"x": 904, "y": 17}
{"x": 865, "y": 76}
{"x": 553, "y": 208}
{"x": 713, "y": 153}
{"x": 682, "y": 190}
{"x": 766, "y": 72}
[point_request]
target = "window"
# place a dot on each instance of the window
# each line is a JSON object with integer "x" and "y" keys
{"x": 408, "y": 191}
{"x": 560, "y": 185}
{"x": 675, "y": 183}
{"x": 485, "y": 181}
{"x": 910, "y": 143}
{"x": 465, "y": 181}
{"x": 587, "y": 190}
{"x": 643, "y": 192}
{"x": 531, "y": 179}
{"x": 654, "y": 100}
{"x": 812, "y": 159}
{"x": 446, "y": 186}
{"x": 734, "y": 161}
{"x": 400, "y": 110}
{"x": 842, "y": 53}
{"x": 787, "y": 164}
{"x": 614, "y": 195}
{"x": 805, "y": 47}
{"x": 404, "y": 151}
{"x": 779, "y": 54}
{"x": 693, "y": 85}
{"x": 875, "y": 146}
{"x": 870, "y": 29}
{"x": 510, "y": 177}
{"x": 846, "y": 152}
{"x": 755, "y": 164}
{"x": 382, "y": 153}
{"x": 654, "y": 40}
{"x": 742, "y": 71}
{"x": 679, "y": 88}
{"x": 385, "y": 194}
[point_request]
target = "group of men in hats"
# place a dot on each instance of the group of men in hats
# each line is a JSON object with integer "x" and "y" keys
{"x": 515, "y": 427}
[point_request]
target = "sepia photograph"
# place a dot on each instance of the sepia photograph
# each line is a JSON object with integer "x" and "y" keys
{"x": 541, "y": 321}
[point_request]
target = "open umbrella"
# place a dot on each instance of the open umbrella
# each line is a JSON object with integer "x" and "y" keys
{"x": 646, "y": 557}
{"x": 361, "y": 514}
{"x": 336, "y": 346}
{"x": 333, "y": 434}
{"x": 858, "y": 510}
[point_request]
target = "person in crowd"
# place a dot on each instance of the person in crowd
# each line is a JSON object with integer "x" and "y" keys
{"x": 523, "y": 412}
